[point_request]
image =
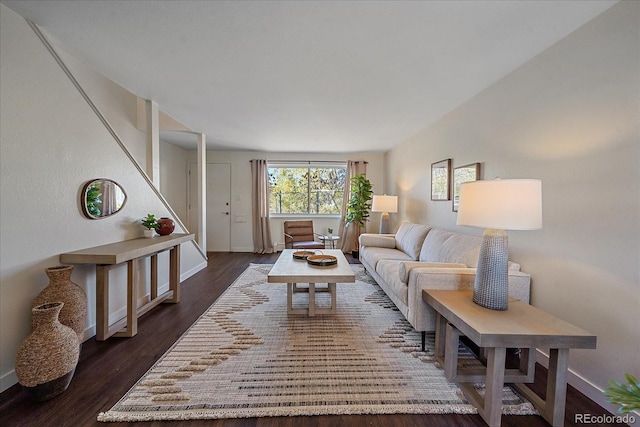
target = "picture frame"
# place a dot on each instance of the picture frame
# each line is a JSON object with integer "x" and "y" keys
{"x": 440, "y": 180}
{"x": 462, "y": 174}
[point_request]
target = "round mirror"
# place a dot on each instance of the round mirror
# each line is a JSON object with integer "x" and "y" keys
{"x": 101, "y": 198}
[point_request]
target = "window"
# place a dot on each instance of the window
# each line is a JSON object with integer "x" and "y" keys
{"x": 311, "y": 189}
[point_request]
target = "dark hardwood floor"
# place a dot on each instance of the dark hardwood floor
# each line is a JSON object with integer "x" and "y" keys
{"x": 108, "y": 369}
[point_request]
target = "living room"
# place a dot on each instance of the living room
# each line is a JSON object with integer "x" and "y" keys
{"x": 568, "y": 116}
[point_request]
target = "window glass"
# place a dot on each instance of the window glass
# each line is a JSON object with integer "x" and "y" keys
{"x": 308, "y": 190}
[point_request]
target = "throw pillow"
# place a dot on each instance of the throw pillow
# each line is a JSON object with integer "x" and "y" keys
{"x": 410, "y": 237}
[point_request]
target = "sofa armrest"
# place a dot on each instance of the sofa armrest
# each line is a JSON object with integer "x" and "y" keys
{"x": 422, "y": 317}
{"x": 378, "y": 240}
{"x": 407, "y": 266}
{"x": 463, "y": 278}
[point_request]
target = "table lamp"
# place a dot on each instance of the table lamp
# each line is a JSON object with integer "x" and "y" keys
{"x": 384, "y": 204}
{"x": 498, "y": 205}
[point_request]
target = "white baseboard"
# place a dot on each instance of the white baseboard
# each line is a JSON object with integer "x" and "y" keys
{"x": 185, "y": 275}
{"x": 242, "y": 249}
{"x": 10, "y": 378}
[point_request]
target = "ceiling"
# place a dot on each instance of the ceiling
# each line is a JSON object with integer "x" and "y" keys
{"x": 305, "y": 76}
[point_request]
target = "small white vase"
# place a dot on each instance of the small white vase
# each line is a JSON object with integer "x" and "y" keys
{"x": 149, "y": 233}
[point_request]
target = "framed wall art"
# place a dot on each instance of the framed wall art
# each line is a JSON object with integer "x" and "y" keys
{"x": 440, "y": 183}
{"x": 462, "y": 174}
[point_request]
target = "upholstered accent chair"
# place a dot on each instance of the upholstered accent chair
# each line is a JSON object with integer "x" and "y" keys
{"x": 300, "y": 235}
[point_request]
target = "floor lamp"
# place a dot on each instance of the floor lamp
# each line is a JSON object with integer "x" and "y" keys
{"x": 498, "y": 205}
{"x": 384, "y": 204}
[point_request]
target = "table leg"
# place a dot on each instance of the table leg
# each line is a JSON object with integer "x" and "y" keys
{"x": 332, "y": 292}
{"x": 528, "y": 363}
{"x": 451, "y": 352}
{"x": 557, "y": 385}
{"x": 102, "y": 302}
{"x": 551, "y": 409}
{"x": 132, "y": 300}
{"x": 496, "y": 358}
{"x": 441, "y": 333}
{"x": 154, "y": 276}
{"x": 290, "y": 297}
{"x": 174, "y": 273}
{"x": 312, "y": 299}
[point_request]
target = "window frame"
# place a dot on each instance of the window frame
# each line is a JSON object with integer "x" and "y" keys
{"x": 308, "y": 165}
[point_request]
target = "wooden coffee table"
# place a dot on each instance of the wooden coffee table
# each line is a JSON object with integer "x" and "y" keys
{"x": 293, "y": 272}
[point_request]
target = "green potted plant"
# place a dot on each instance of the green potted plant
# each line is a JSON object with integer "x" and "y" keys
{"x": 150, "y": 224}
{"x": 93, "y": 200}
{"x": 627, "y": 396}
{"x": 359, "y": 207}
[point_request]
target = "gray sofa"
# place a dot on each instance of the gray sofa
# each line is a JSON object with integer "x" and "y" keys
{"x": 420, "y": 257}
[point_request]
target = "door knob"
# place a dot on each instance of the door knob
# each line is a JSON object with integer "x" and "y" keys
{"x": 226, "y": 213}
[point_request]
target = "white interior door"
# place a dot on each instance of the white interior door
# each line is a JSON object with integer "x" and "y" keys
{"x": 218, "y": 205}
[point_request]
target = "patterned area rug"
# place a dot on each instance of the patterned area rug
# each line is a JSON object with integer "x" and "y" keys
{"x": 246, "y": 358}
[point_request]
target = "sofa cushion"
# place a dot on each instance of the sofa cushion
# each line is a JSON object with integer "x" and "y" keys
{"x": 446, "y": 246}
{"x": 410, "y": 237}
{"x": 370, "y": 255}
{"x": 388, "y": 270}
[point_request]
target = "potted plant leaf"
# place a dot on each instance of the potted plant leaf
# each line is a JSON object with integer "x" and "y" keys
{"x": 150, "y": 224}
{"x": 625, "y": 395}
{"x": 359, "y": 207}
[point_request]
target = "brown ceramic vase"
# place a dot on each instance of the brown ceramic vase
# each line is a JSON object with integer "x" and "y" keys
{"x": 166, "y": 226}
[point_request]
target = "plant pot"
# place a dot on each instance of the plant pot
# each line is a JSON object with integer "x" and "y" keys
{"x": 166, "y": 226}
{"x": 62, "y": 289}
{"x": 47, "y": 359}
{"x": 148, "y": 233}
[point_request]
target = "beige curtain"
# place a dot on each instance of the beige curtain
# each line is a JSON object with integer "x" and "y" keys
{"x": 109, "y": 203}
{"x": 262, "y": 242}
{"x": 347, "y": 234}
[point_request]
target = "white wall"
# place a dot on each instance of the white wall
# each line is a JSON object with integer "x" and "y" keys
{"x": 571, "y": 118}
{"x": 241, "y": 233}
{"x": 119, "y": 107}
{"x": 52, "y": 143}
{"x": 174, "y": 185}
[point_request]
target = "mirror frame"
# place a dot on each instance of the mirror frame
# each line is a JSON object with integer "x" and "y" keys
{"x": 85, "y": 190}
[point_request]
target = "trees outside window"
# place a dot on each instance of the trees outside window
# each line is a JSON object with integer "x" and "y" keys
{"x": 308, "y": 190}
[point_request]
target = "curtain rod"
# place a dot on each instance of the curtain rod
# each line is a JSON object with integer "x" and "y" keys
{"x": 313, "y": 161}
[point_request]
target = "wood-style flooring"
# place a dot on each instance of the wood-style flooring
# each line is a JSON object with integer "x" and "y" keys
{"x": 108, "y": 369}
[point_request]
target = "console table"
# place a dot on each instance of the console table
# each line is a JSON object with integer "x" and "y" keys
{"x": 106, "y": 257}
{"x": 521, "y": 326}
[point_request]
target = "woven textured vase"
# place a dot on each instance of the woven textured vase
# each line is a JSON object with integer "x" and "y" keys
{"x": 491, "y": 286}
{"x": 47, "y": 359}
{"x": 61, "y": 288}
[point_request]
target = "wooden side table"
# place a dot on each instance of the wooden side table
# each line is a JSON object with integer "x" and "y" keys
{"x": 106, "y": 257}
{"x": 521, "y": 326}
{"x": 332, "y": 239}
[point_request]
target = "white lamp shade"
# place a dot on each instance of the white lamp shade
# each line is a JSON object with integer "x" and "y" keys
{"x": 385, "y": 204}
{"x": 507, "y": 204}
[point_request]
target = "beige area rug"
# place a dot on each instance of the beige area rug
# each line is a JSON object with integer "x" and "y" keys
{"x": 245, "y": 357}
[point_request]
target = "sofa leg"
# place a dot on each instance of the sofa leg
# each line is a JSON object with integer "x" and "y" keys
{"x": 424, "y": 338}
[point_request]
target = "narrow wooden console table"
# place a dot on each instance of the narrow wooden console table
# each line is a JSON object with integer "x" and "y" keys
{"x": 106, "y": 257}
{"x": 521, "y": 326}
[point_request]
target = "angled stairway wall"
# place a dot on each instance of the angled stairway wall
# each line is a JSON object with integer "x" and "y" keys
{"x": 52, "y": 142}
